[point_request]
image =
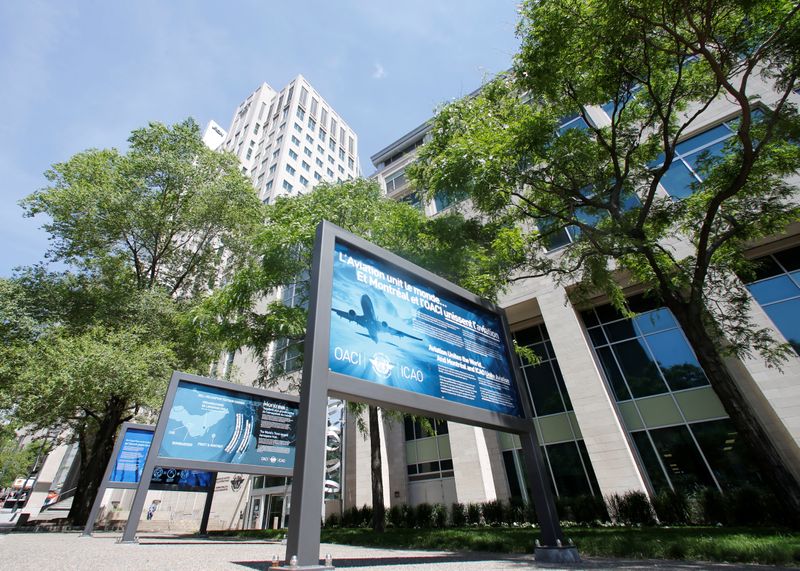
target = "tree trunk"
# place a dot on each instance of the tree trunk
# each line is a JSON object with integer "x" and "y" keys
{"x": 378, "y": 509}
{"x": 98, "y": 447}
{"x": 772, "y": 466}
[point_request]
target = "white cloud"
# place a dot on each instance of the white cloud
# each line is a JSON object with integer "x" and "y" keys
{"x": 378, "y": 72}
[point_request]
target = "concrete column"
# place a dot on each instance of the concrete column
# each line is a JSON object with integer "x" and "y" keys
{"x": 471, "y": 464}
{"x": 773, "y": 393}
{"x": 396, "y": 480}
{"x": 603, "y": 433}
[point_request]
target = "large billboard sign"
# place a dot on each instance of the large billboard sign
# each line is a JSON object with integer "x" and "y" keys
{"x": 384, "y": 331}
{"x": 391, "y": 327}
{"x": 213, "y": 424}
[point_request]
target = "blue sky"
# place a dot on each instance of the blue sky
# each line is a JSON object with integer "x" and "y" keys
{"x": 77, "y": 75}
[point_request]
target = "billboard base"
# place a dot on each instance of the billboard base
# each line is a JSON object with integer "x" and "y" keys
{"x": 302, "y": 568}
{"x": 566, "y": 554}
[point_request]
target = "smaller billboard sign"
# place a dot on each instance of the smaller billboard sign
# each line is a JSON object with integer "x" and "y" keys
{"x": 213, "y": 424}
{"x": 129, "y": 463}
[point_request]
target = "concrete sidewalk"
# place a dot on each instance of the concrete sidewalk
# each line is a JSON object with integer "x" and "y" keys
{"x": 62, "y": 551}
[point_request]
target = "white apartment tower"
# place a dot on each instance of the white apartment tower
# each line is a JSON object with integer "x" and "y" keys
{"x": 289, "y": 140}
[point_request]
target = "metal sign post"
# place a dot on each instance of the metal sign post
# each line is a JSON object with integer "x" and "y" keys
{"x": 256, "y": 433}
{"x": 450, "y": 357}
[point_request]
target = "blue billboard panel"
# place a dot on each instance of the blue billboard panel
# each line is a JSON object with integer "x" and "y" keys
{"x": 129, "y": 463}
{"x": 212, "y": 424}
{"x": 391, "y": 328}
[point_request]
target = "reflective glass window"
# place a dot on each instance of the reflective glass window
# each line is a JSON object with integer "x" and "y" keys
{"x": 681, "y": 458}
{"x": 777, "y": 290}
{"x": 676, "y": 360}
{"x": 639, "y": 368}
{"x": 730, "y": 459}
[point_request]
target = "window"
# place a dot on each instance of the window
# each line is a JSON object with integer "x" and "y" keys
{"x": 395, "y": 181}
{"x": 320, "y": 149}
{"x": 412, "y": 199}
{"x": 351, "y": 145}
{"x": 292, "y": 154}
{"x": 249, "y": 153}
{"x": 312, "y": 124}
{"x": 427, "y": 452}
{"x": 303, "y": 96}
{"x": 341, "y": 135}
{"x": 323, "y": 118}
{"x": 287, "y": 186}
{"x": 272, "y": 169}
{"x": 331, "y": 160}
{"x": 574, "y": 121}
{"x": 303, "y": 180}
{"x": 332, "y": 144}
{"x": 290, "y": 169}
{"x": 279, "y": 139}
{"x": 269, "y": 185}
{"x": 285, "y": 113}
{"x": 318, "y": 161}
{"x": 341, "y": 153}
{"x": 305, "y": 165}
{"x": 340, "y": 168}
{"x": 443, "y": 200}
{"x": 314, "y": 104}
{"x": 330, "y": 172}
{"x": 301, "y": 114}
{"x": 322, "y": 135}
{"x": 555, "y": 235}
{"x": 276, "y": 153}
{"x": 256, "y": 128}
{"x": 295, "y": 141}
{"x": 350, "y": 163}
{"x": 307, "y": 151}
{"x": 309, "y": 139}
{"x": 333, "y": 128}
{"x": 317, "y": 176}
{"x": 546, "y": 385}
{"x": 777, "y": 290}
{"x": 298, "y": 128}
{"x": 645, "y": 355}
{"x": 693, "y": 157}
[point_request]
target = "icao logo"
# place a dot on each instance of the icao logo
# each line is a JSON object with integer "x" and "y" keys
{"x": 381, "y": 365}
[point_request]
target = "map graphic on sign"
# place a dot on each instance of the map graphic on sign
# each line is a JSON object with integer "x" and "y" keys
{"x": 219, "y": 425}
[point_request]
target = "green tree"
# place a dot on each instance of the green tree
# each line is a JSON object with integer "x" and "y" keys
{"x": 146, "y": 234}
{"x": 15, "y": 460}
{"x": 657, "y": 66}
{"x": 251, "y": 313}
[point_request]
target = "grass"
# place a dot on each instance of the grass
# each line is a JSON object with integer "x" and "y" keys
{"x": 735, "y": 545}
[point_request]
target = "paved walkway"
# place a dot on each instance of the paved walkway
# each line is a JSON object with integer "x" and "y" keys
{"x": 62, "y": 551}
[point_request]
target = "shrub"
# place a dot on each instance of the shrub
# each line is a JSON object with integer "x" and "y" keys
{"x": 672, "y": 507}
{"x": 632, "y": 508}
{"x": 493, "y": 512}
{"x": 365, "y": 516}
{"x": 333, "y": 520}
{"x": 396, "y": 515}
{"x": 474, "y": 514}
{"x": 422, "y": 515}
{"x": 458, "y": 515}
{"x": 439, "y": 515}
{"x": 588, "y": 509}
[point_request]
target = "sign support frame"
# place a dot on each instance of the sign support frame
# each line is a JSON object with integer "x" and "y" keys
{"x": 303, "y": 540}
